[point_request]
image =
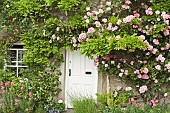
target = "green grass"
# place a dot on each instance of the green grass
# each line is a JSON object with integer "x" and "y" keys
{"x": 84, "y": 104}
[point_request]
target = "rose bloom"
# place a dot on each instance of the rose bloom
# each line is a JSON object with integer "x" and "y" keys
{"x": 91, "y": 30}
{"x": 143, "y": 89}
{"x": 128, "y": 88}
{"x": 108, "y": 3}
{"x": 150, "y": 47}
{"x": 156, "y": 41}
{"x": 97, "y": 24}
{"x": 82, "y": 36}
{"x": 142, "y": 37}
{"x": 145, "y": 77}
{"x": 119, "y": 22}
{"x": 53, "y": 37}
{"x": 145, "y": 70}
{"x": 158, "y": 67}
{"x": 104, "y": 20}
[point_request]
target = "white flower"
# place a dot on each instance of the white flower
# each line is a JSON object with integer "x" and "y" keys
{"x": 60, "y": 101}
{"x": 108, "y": 3}
{"x": 87, "y": 8}
{"x": 165, "y": 95}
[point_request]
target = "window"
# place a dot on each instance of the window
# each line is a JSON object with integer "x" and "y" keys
{"x": 16, "y": 59}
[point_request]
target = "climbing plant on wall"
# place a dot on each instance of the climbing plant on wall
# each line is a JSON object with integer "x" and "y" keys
{"x": 129, "y": 38}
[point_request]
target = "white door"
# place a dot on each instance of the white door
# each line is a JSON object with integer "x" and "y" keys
{"x": 81, "y": 76}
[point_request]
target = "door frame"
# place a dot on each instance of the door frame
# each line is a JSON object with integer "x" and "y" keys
{"x": 67, "y": 77}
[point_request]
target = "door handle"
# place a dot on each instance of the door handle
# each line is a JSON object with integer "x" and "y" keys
{"x": 69, "y": 72}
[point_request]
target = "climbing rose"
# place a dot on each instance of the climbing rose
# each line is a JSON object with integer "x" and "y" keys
{"x": 128, "y": 88}
{"x": 158, "y": 67}
{"x": 145, "y": 70}
{"x": 97, "y": 24}
{"x": 108, "y": 3}
{"x": 91, "y": 30}
{"x": 156, "y": 41}
{"x": 143, "y": 89}
{"x": 82, "y": 36}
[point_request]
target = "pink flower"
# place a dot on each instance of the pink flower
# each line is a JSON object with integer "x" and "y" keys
{"x": 58, "y": 38}
{"x": 157, "y": 12}
{"x": 132, "y": 62}
{"x": 126, "y": 72}
{"x": 16, "y": 104}
{"x": 139, "y": 76}
{"x": 82, "y": 36}
{"x": 145, "y": 70}
{"x": 127, "y": 2}
{"x": 142, "y": 37}
{"x": 128, "y": 18}
{"x": 119, "y": 22}
{"x": 101, "y": 11}
{"x": 112, "y": 62}
{"x": 128, "y": 88}
{"x": 97, "y": 24}
{"x": 108, "y": 3}
{"x": 30, "y": 94}
{"x": 53, "y": 37}
{"x": 22, "y": 88}
{"x": 154, "y": 51}
{"x": 91, "y": 30}
{"x": 119, "y": 88}
{"x": 166, "y": 32}
{"x": 161, "y": 58}
{"x": 26, "y": 109}
{"x": 125, "y": 6}
{"x": 104, "y": 20}
{"x": 29, "y": 99}
{"x": 158, "y": 67}
{"x": 117, "y": 37}
{"x": 145, "y": 77}
{"x": 114, "y": 28}
{"x": 108, "y": 9}
{"x": 150, "y": 47}
{"x": 143, "y": 89}
{"x": 156, "y": 41}
{"x": 19, "y": 95}
{"x": 149, "y": 11}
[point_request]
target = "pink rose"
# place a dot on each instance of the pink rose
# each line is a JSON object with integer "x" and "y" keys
{"x": 104, "y": 20}
{"x": 158, "y": 67}
{"x": 145, "y": 70}
{"x": 156, "y": 41}
{"x": 166, "y": 32}
{"x": 143, "y": 89}
{"x": 53, "y": 37}
{"x": 82, "y": 36}
{"x": 128, "y": 88}
{"x": 150, "y": 47}
{"x": 97, "y": 24}
{"x": 142, "y": 37}
{"x": 119, "y": 22}
{"x": 30, "y": 94}
{"x": 90, "y": 30}
{"x": 145, "y": 77}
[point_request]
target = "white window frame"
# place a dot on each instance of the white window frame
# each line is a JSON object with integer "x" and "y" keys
{"x": 17, "y": 66}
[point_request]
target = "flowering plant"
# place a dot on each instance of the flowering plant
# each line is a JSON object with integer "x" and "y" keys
{"x": 59, "y": 105}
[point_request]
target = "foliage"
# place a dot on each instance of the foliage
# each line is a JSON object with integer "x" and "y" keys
{"x": 59, "y": 105}
{"x": 119, "y": 97}
{"x": 84, "y": 104}
{"x": 133, "y": 109}
{"x": 13, "y": 100}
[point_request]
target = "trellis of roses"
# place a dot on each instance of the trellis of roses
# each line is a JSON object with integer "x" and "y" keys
{"x": 132, "y": 44}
